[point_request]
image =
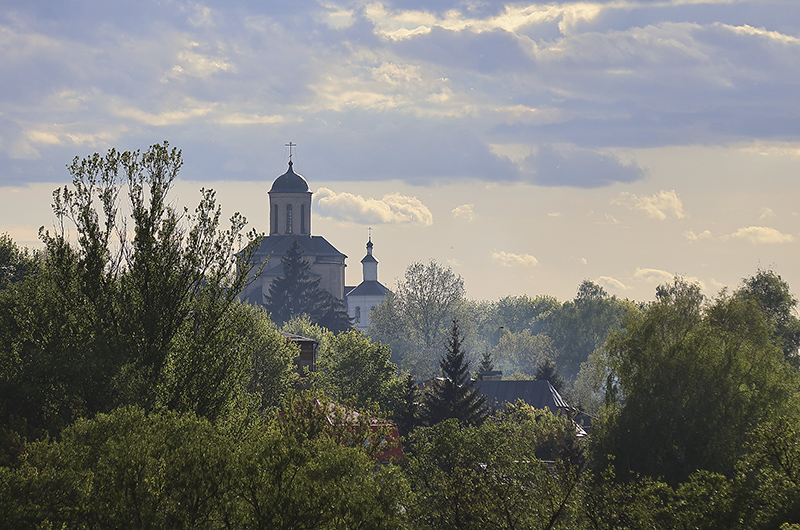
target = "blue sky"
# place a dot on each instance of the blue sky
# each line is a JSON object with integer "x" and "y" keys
{"x": 528, "y": 145}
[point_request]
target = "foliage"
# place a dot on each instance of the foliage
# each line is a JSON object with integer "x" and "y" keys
{"x": 408, "y": 410}
{"x": 306, "y": 468}
{"x": 413, "y": 319}
{"x": 581, "y": 326}
{"x": 15, "y": 262}
{"x": 547, "y": 371}
{"x": 454, "y": 396}
{"x": 487, "y": 476}
{"x": 696, "y": 380}
{"x": 523, "y": 352}
{"x": 350, "y": 366}
{"x": 774, "y": 297}
{"x": 295, "y": 294}
{"x": 153, "y": 320}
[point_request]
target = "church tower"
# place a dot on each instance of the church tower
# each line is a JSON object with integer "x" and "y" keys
{"x": 289, "y": 221}
{"x": 369, "y": 293}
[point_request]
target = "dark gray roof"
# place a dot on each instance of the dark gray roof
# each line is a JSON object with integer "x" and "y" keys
{"x": 538, "y": 394}
{"x": 370, "y": 288}
{"x": 312, "y": 246}
{"x": 289, "y": 182}
{"x": 369, "y": 258}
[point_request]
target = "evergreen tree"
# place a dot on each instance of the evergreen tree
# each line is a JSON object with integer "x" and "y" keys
{"x": 454, "y": 396}
{"x": 486, "y": 364}
{"x": 407, "y": 415}
{"x": 295, "y": 294}
{"x": 548, "y": 371}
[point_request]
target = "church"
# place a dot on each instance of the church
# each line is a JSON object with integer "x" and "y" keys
{"x": 290, "y": 220}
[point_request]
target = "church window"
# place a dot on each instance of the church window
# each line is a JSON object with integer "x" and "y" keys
{"x": 302, "y": 218}
{"x": 288, "y": 218}
{"x": 274, "y": 219}
{"x": 358, "y": 315}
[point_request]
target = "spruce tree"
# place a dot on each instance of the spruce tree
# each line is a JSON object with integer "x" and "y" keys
{"x": 407, "y": 414}
{"x": 454, "y": 396}
{"x": 548, "y": 371}
{"x": 295, "y": 294}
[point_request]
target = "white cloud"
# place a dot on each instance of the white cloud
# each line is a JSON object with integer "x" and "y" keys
{"x": 766, "y": 212}
{"x": 393, "y": 208}
{"x": 658, "y": 206}
{"x": 465, "y": 210}
{"x": 691, "y": 236}
{"x": 761, "y": 235}
{"x": 653, "y": 275}
{"x": 608, "y": 281}
{"x": 508, "y": 259}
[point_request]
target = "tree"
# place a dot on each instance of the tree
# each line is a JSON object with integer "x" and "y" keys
{"x": 695, "y": 381}
{"x": 775, "y": 298}
{"x": 548, "y": 371}
{"x": 454, "y": 396}
{"x": 108, "y": 320}
{"x": 295, "y": 294}
{"x": 15, "y": 262}
{"x": 490, "y": 476}
{"x": 413, "y": 319}
{"x": 351, "y": 367}
{"x": 581, "y": 326}
{"x": 407, "y": 413}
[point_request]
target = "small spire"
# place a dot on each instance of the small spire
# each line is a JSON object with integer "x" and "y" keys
{"x": 369, "y": 242}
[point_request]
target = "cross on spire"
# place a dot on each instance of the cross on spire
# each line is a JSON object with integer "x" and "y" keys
{"x": 290, "y": 145}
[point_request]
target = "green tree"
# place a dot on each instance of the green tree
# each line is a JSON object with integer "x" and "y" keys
{"x": 295, "y": 294}
{"x": 413, "y": 320}
{"x": 454, "y": 396}
{"x": 696, "y": 380}
{"x": 107, "y": 320}
{"x": 581, "y": 326}
{"x": 15, "y": 262}
{"x": 548, "y": 371}
{"x": 776, "y": 300}
{"x": 350, "y": 367}
{"x": 489, "y": 476}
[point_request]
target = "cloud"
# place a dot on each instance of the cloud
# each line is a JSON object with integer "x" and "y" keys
{"x": 761, "y": 235}
{"x": 653, "y": 275}
{"x": 608, "y": 281}
{"x": 691, "y": 236}
{"x": 570, "y": 165}
{"x": 393, "y": 208}
{"x": 765, "y": 213}
{"x": 658, "y": 206}
{"x": 507, "y": 259}
{"x": 465, "y": 211}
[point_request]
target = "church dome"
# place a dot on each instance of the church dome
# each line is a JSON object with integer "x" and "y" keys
{"x": 290, "y": 182}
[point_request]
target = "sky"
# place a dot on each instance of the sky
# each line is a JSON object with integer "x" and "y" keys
{"x": 529, "y": 146}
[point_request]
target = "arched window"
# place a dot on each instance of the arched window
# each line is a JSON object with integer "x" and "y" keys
{"x": 303, "y": 219}
{"x": 288, "y": 218}
{"x": 274, "y": 219}
{"x": 358, "y": 315}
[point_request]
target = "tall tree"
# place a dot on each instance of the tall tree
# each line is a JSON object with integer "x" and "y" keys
{"x": 454, "y": 396}
{"x": 295, "y": 294}
{"x": 772, "y": 294}
{"x": 695, "y": 381}
{"x": 413, "y": 319}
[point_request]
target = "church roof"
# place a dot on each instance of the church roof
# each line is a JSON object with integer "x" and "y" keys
{"x": 369, "y": 288}
{"x": 289, "y": 182}
{"x": 311, "y": 246}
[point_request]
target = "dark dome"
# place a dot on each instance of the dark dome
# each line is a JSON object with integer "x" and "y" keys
{"x": 290, "y": 182}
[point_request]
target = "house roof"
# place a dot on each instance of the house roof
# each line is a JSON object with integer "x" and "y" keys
{"x": 538, "y": 394}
